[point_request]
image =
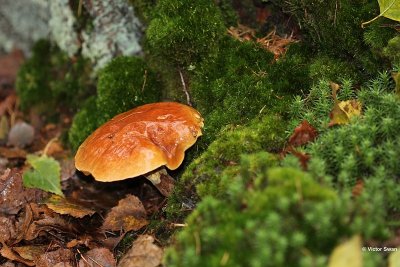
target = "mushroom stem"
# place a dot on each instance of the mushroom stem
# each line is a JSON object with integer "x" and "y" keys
{"x": 161, "y": 180}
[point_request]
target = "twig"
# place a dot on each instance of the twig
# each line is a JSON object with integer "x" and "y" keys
{"x": 80, "y": 8}
{"x": 185, "y": 89}
{"x": 144, "y": 80}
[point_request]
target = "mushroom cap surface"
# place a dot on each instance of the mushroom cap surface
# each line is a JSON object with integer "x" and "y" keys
{"x": 139, "y": 141}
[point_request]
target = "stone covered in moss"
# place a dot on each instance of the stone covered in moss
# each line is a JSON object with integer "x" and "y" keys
{"x": 50, "y": 77}
{"x": 84, "y": 123}
{"x": 184, "y": 31}
{"x": 268, "y": 217}
{"x": 126, "y": 82}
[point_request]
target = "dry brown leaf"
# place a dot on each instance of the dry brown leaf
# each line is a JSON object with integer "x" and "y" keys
{"x": 45, "y": 220}
{"x": 12, "y": 153}
{"x": 143, "y": 253}
{"x": 10, "y": 254}
{"x": 60, "y": 257}
{"x": 303, "y": 134}
{"x": 8, "y": 230}
{"x": 30, "y": 252}
{"x": 128, "y": 215}
{"x": 358, "y": 188}
{"x": 62, "y": 206}
{"x": 13, "y": 195}
{"x": 98, "y": 257}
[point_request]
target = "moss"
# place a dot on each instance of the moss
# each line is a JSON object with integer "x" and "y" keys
{"x": 333, "y": 28}
{"x": 183, "y": 31}
{"x": 392, "y": 50}
{"x": 268, "y": 217}
{"x": 125, "y": 82}
{"x": 203, "y": 175}
{"x": 363, "y": 149}
{"x": 240, "y": 82}
{"x": 84, "y": 123}
{"x": 331, "y": 69}
{"x": 51, "y": 77}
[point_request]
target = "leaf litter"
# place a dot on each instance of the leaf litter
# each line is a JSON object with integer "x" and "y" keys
{"x": 83, "y": 224}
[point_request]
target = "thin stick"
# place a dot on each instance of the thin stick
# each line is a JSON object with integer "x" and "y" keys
{"x": 185, "y": 89}
{"x": 144, "y": 80}
{"x": 80, "y": 8}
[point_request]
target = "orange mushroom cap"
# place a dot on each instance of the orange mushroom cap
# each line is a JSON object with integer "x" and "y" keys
{"x": 139, "y": 141}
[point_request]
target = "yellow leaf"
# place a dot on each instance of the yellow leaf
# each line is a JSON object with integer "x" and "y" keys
{"x": 343, "y": 111}
{"x": 394, "y": 258}
{"x": 347, "y": 254}
{"x": 61, "y": 205}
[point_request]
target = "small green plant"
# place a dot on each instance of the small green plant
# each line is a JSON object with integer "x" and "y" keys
{"x": 269, "y": 216}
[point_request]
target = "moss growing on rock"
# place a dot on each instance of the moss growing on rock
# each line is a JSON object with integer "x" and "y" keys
{"x": 50, "y": 77}
{"x": 125, "y": 82}
{"x": 268, "y": 217}
{"x": 84, "y": 123}
{"x": 183, "y": 31}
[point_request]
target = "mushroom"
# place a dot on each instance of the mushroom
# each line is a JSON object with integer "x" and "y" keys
{"x": 141, "y": 141}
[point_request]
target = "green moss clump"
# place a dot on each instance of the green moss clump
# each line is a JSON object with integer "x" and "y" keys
{"x": 392, "y": 50}
{"x": 125, "y": 82}
{"x": 268, "y": 217}
{"x": 333, "y": 28}
{"x": 183, "y": 31}
{"x": 203, "y": 176}
{"x": 84, "y": 123}
{"x": 331, "y": 69}
{"x": 240, "y": 82}
{"x": 51, "y": 79}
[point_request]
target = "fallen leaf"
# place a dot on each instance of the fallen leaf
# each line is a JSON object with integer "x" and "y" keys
{"x": 302, "y": 157}
{"x": 10, "y": 254}
{"x": 13, "y": 196}
{"x": 44, "y": 175}
{"x": 30, "y": 252}
{"x": 343, "y": 111}
{"x": 143, "y": 253}
{"x": 97, "y": 257}
{"x": 43, "y": 220}
{"x": 60, "y": 257}
{"x": 8, "y": 230}
{"x": 303, "y": 134}
{"x": 61, "y": 205}
{"x": 12, "y": 153}
{"x": 347, "y": 254}
{"x": 128, "y": 215}
{"x": 394, "y": 258}
{"x": 21, "y": 134}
